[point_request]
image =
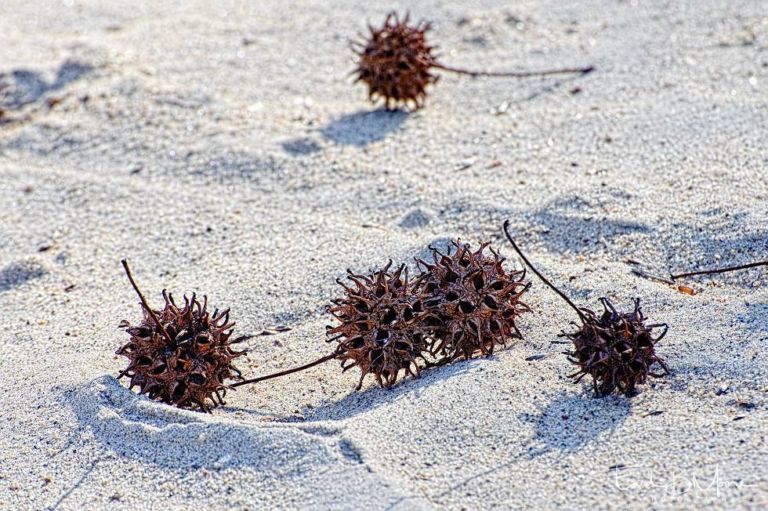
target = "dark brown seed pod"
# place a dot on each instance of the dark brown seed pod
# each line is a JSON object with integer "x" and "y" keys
{"x": 381, "y": 329}
{"x": 616, "y": 349}
{"x": 474, "y": 299}
{"x": 180, "y": 355}
{"x": 395, "y": 62}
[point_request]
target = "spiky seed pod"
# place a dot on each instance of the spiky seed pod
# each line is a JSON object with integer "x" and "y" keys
{"x": 380, "y": 328}
{"x": 475, "y": 300}
{"x": 184, "y": 357}
{"x": 395, "y": 62}
{"x": 616, "y": 349}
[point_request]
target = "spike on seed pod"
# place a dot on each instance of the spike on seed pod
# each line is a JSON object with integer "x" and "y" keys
{"x": 616, "y": 349}
{"x": 380, "y": 328}
{"x": 395, "y": 62}
{"x": 180, "y": 355}
{"x": 474, "y": 300}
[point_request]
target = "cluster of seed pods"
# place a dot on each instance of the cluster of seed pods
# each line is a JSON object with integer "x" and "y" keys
{"x": 462, "y": 304}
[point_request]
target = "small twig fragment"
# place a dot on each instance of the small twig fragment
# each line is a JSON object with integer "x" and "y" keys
{"x": 657, "y": 278}
{"x": 719, "y": 270}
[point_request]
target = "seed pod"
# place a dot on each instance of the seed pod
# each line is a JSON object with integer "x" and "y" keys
{"x": 395, "y": 62}
{"x": 474, "y": 300}
{"x": 180, "y": 355}
{"x": 616, "y": 349}
{"x": 381, "y": 329}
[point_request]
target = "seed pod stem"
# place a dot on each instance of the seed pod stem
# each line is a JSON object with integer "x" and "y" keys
{"x": 287, "y": 371}
{"x": 719, "y": 270}
{"x": 547, "y": 282}
{"x": 144, "y": 301}
{"x": 514, "y": 74}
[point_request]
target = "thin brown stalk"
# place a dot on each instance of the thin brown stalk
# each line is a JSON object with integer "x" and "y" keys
{"x": 144, "y": 301}
{"x": 515, "y": 74}
{"x": 719, "y": 270}
{"x": 286, "y": 372}
{"x": 547, "y": 282}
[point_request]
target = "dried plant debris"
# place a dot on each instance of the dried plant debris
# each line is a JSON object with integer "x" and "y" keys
{"x": 719, "y": 270}
{"x": 382, "y": 328}
{"x": 473, "y": 299}
{"x": 687, "y": 289}
{"x": 462, "y": 304}
{"x": 180, "y": 355}
{"x": 395, "y": 62}
{"x": 616, "y": 349}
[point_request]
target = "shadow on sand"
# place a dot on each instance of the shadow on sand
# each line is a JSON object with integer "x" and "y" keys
{"x": 364, "y": 127}
{"x": 572, "y": 421}
{"x": 21, "y": 87}
{"x": 373, "y": 396}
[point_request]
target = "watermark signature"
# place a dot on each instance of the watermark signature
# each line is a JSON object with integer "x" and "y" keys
{"x": 712, "y": 481}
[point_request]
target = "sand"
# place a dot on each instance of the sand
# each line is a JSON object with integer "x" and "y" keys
{"x": 223, "y": 149}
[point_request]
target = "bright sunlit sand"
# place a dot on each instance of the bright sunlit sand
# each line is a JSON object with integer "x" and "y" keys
{"x": 223, "y": 149}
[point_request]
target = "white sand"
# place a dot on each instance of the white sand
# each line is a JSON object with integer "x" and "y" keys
{"x": 224, "y": 150}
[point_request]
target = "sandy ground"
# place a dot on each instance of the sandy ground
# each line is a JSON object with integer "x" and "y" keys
{"x": 224, "y": 150}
